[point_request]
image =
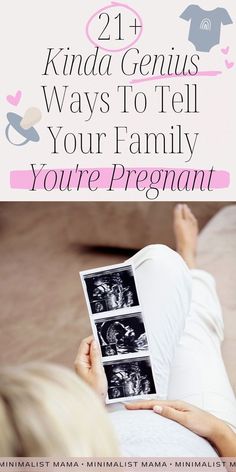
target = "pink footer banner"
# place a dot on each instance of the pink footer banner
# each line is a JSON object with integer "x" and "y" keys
{"x": 86, "y": 464}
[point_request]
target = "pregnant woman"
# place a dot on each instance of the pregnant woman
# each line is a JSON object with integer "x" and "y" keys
{"x": 185, "y": 327}
{"x": 46, "y": 411}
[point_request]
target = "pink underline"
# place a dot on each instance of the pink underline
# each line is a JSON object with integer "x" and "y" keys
{"x": 23, "y": 179}
{"x": 204, "y": 73}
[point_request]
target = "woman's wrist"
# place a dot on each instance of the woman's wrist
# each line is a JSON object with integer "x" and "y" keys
{"x": 220, "y": 435}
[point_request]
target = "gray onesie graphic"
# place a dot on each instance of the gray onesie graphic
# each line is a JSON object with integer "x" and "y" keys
{"x": 205, "y": 26}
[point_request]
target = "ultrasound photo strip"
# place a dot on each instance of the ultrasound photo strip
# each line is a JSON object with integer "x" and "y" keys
{"x": 119, "y": 327}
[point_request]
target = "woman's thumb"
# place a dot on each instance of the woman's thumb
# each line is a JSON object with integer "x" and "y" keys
{"x": 169, "y": 412}
{"x": 95, "y": 356}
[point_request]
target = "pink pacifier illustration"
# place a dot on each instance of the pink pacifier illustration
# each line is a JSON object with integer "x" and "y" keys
{"x": 23, "y": 127}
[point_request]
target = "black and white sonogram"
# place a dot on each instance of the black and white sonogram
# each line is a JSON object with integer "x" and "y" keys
{"x": 129, "y": 378}
{"x": 124, "y": 334}
{"x": 111, "y": 289}
{"x": 118, "y": 324}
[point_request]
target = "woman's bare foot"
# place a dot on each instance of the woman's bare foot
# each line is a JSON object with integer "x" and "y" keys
{"x": 186, "y": 233}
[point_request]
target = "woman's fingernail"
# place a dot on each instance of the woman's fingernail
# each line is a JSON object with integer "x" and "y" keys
{"x": 157, "y": 409}
{"x": 94, "y": 345}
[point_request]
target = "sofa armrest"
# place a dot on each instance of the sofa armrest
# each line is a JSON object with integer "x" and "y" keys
{"x": 217, "y": 255}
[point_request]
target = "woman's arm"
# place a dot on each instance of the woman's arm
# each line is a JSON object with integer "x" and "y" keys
{"x": 200, "y": 422}
{"x": 89, "y": 367}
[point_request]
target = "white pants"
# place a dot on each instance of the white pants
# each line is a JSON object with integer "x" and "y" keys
{"x": 185, "y": 330}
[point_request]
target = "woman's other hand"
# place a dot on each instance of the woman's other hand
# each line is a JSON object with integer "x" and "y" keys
{"x": 88, "y": 366}
{"x": 198, "y": 421}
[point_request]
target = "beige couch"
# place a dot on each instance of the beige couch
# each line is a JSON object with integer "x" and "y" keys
{"x": 43, "y": 313}
{"x": 217, "y": 254}
{"x": 129, "y": 225}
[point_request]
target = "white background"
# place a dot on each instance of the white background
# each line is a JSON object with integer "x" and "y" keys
{"x": 29, "y": 28}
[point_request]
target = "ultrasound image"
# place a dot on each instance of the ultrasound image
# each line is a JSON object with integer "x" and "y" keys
{"x": 112, "y": 289}
{"x": 123, "y": 334}
{"x": 129, "y": 378}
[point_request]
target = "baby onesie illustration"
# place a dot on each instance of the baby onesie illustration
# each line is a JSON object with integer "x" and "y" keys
{"x": 205, "y": 26}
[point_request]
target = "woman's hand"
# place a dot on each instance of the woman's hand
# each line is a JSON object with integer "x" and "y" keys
{"x": 89, "y": 367}
{"x": 198, "y": 421}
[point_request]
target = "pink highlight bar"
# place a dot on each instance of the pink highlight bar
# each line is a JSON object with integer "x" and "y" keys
{"x": 124, "y": 178}
{"x": 204, "y": 73}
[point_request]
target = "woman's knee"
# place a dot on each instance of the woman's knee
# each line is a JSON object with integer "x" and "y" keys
{"x": 163, "y": 260}
{"x": 158, "y": 251}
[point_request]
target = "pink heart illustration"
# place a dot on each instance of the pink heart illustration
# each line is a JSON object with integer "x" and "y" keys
{"x": 229, "y": 65}
{"x": 225, "y": 50}
{"x": 14, "y": 99}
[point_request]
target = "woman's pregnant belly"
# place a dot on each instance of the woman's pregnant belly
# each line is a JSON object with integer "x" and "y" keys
{"x": 142, "y": 433}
